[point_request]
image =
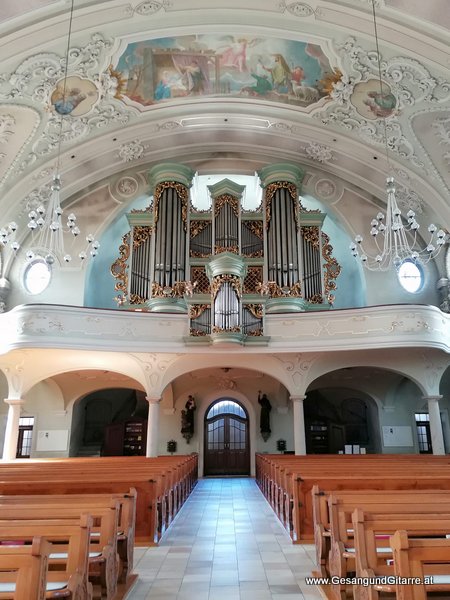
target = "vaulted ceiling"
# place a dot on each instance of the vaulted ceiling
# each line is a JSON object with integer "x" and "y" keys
{"x": 226, "y": 86}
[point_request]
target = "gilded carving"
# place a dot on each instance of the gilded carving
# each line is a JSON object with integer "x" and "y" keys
{"x": 178, "y": 290}
{"x": 141, "y": 234}
{"x": 220, "y": 249}
{"x": 311, "y": 235}
{"x": 255, "y": 333}
{"x": 256, "y": 227}
{"x": 197, "y": 332}
{"x": 218, "y": 282}
{"x": 182, "y": 194}
{"x": 235, "y": 329}
{"x": 255, "y": 309}
{"x": 332, "y": 267}
{"x": 119, "y": 267}
{"x": 271, "y": 189}
{"x": 196, "y": 227}
{"x": 273, "y": 290}
{"x": 195, "y": 310}
{"x": 136, "y": 299}
{"x": 226, "y": 199}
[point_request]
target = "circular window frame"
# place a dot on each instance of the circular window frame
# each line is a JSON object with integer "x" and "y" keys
{"x": 36, "y": 261}
{"x": 421, "y": 276}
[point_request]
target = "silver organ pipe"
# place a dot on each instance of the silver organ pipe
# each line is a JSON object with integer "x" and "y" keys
{"x": 226, "y": 307}
{"x": 140, "y": 261}
{"x": 201, "y": 244}
{"x": 312, "y": 264}
{"x": 283, "y": 244}
{"x": 170, "y": 251}
{"x": 226, "y": 228}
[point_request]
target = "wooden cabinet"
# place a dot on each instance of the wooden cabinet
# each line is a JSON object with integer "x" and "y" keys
{"x": 126, "y": 439}
{"x": 317, "y": 437}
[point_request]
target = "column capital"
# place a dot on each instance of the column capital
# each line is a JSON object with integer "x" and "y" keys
{"x": 438, "y": 397}
{"x": 171, "y": 172}
{"x": 14, "y": 401}
{"x": 282, "y": 172}
{"x": 153, "y": 399}
{"x": 298, "y": 398}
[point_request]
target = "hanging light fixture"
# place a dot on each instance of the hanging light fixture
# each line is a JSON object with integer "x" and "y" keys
{"x": 46, "y": 223}
{"x": 396, "y": 236}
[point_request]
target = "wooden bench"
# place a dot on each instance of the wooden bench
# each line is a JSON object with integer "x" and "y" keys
{"x": 23, "y": 570}
{"x": 126, "y": 519}
{"x": 297, "y": 476}
{"x": 102, "y": 558}
{"x": 373, "y": 554}
{"x": 333, "y": 513}
{"x": 162, "y": 483}
{"x": 418, "y": 558}
{"x": 66, "y": 577}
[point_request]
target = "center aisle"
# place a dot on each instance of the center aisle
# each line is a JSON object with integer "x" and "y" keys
{"x": 225, "y": 544}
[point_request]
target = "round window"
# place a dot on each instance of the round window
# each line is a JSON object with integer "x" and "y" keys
{"x": 410, "y": 276}
{"x": 37, "y": 276}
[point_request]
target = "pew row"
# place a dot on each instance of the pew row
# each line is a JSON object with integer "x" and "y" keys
{"x": 23, "y": 570}
{"x": 418, "y": 558}
{"x": 66, "y": 577}
{"x": 287, "y": 481}
{"x": 162, "y": 484}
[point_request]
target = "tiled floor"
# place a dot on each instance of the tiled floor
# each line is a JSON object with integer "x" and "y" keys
{"x": 225, "y": 544}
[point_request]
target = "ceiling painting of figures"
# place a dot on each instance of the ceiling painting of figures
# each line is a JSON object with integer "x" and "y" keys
{"x": 278, "y": 70}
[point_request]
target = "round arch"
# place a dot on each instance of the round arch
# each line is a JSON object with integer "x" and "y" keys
{"x": 240, "y": 398}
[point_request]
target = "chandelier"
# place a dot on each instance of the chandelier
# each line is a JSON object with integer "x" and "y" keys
{"x": 396, "y": 236}
{"x": 47, "y": 225}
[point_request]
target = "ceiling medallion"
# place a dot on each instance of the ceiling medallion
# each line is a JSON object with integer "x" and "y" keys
{"x": 74, "y": 96}
{"x": 299, "y": 9}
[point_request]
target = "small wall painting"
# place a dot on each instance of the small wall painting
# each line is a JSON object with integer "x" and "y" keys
{"x": 274, "y": 69}
{"x": 74, "y": 96}
{"x": 372, "y": 101}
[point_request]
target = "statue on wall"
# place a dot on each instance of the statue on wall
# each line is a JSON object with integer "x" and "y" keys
{"x": 187, "y": 419}
{"x": 264, "y": 421}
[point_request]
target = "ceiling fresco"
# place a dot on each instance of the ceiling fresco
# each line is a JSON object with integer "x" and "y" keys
{"x": 226, "y": 65}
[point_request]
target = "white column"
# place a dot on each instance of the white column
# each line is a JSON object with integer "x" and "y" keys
{"x": 437, "y": 437}
{"x": 153, "y": 426}
{"x": 12, "y": 428}
{"x": 299, "y": 425}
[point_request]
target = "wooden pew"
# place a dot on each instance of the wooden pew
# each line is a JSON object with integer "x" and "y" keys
{"x": 23, "y": 571}
{"x": 334, "y": 511}
{"x": 156, "y": 480}
{"x": 126, "y": 522}
{"x": 102, "y": 559}
{"x": 299, "y": 474}
{"x": 67, "y": 577}
{"x": 419, "y": 558}
{"x": 372, "y": 555}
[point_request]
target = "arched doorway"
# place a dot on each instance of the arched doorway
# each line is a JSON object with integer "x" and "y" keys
{"x": 226, "y": 439}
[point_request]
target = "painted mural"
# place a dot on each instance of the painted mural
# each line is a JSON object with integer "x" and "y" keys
{"x": 272, "y": 69}
{"x": 373, "y": 101}
{"x": 74, "y": 96}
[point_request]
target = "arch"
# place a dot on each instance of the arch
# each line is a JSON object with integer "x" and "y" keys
{"x": 260, "y": 363}
{"x": 240, "y": 398}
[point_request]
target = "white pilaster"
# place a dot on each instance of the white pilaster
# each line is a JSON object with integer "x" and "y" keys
{"x": 437, "y": 437}
{"x": 153, "y": 426}
{"x": 12, "y": 428}
{"x": 299, "y": 425}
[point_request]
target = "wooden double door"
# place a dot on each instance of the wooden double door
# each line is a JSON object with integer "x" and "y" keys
{"x": 227, "y": 449}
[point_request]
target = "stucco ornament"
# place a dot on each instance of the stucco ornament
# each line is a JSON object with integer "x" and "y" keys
{"x": 132, "y": 150}
{"x": 318, "y": 152}
{"x": 298, "y": 9}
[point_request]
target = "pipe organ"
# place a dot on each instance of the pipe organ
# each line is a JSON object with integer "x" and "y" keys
{"x": 226, "y": 267}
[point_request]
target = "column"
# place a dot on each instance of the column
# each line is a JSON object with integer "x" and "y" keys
{"x": 12, "y": 428}
{"x": 153, "y": 426}
{"x": 437, "y": 437}
{"x": 299, "y": 425}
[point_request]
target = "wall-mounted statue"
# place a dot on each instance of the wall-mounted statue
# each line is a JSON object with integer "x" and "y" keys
{"x": 264, "y": 421}
{"x": 187, "y": 419}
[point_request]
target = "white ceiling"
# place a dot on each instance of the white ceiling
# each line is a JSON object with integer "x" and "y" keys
{"x": 341, "y": 149}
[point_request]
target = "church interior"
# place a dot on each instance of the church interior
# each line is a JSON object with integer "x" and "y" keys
{"x": 224, "y": 234}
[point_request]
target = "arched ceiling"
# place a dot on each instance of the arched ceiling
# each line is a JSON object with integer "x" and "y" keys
{"x": 326, "y": 118}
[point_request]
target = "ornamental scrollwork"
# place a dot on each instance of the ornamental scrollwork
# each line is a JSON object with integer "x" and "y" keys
{"x": 196, "y": 310}
{"x": 332, "y": 267}
{"x": 182, "y": 194}
{"x": 218, "y": 282}
{"x": 255, "y": 309}
{"x": 141, "y": 234}
{"x": 256, "y": 227}
{"x": 273, "y": 290}
{"x": 220, "y": 249}
{"x": 271, "y": 190}
{"x": 235, "y": 329}
{"x": 196, "y": 227}
{"x": 197, "y": 332}
{"x": 220, "y": 201}
{"x": 119, "y": 268}
{"x": 178, "y": 290}
{"x": 136, "y": 299}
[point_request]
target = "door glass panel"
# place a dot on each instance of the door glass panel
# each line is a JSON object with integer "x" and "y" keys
{"x": 237, "y": 435}
{"x": 216, "y": 435}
